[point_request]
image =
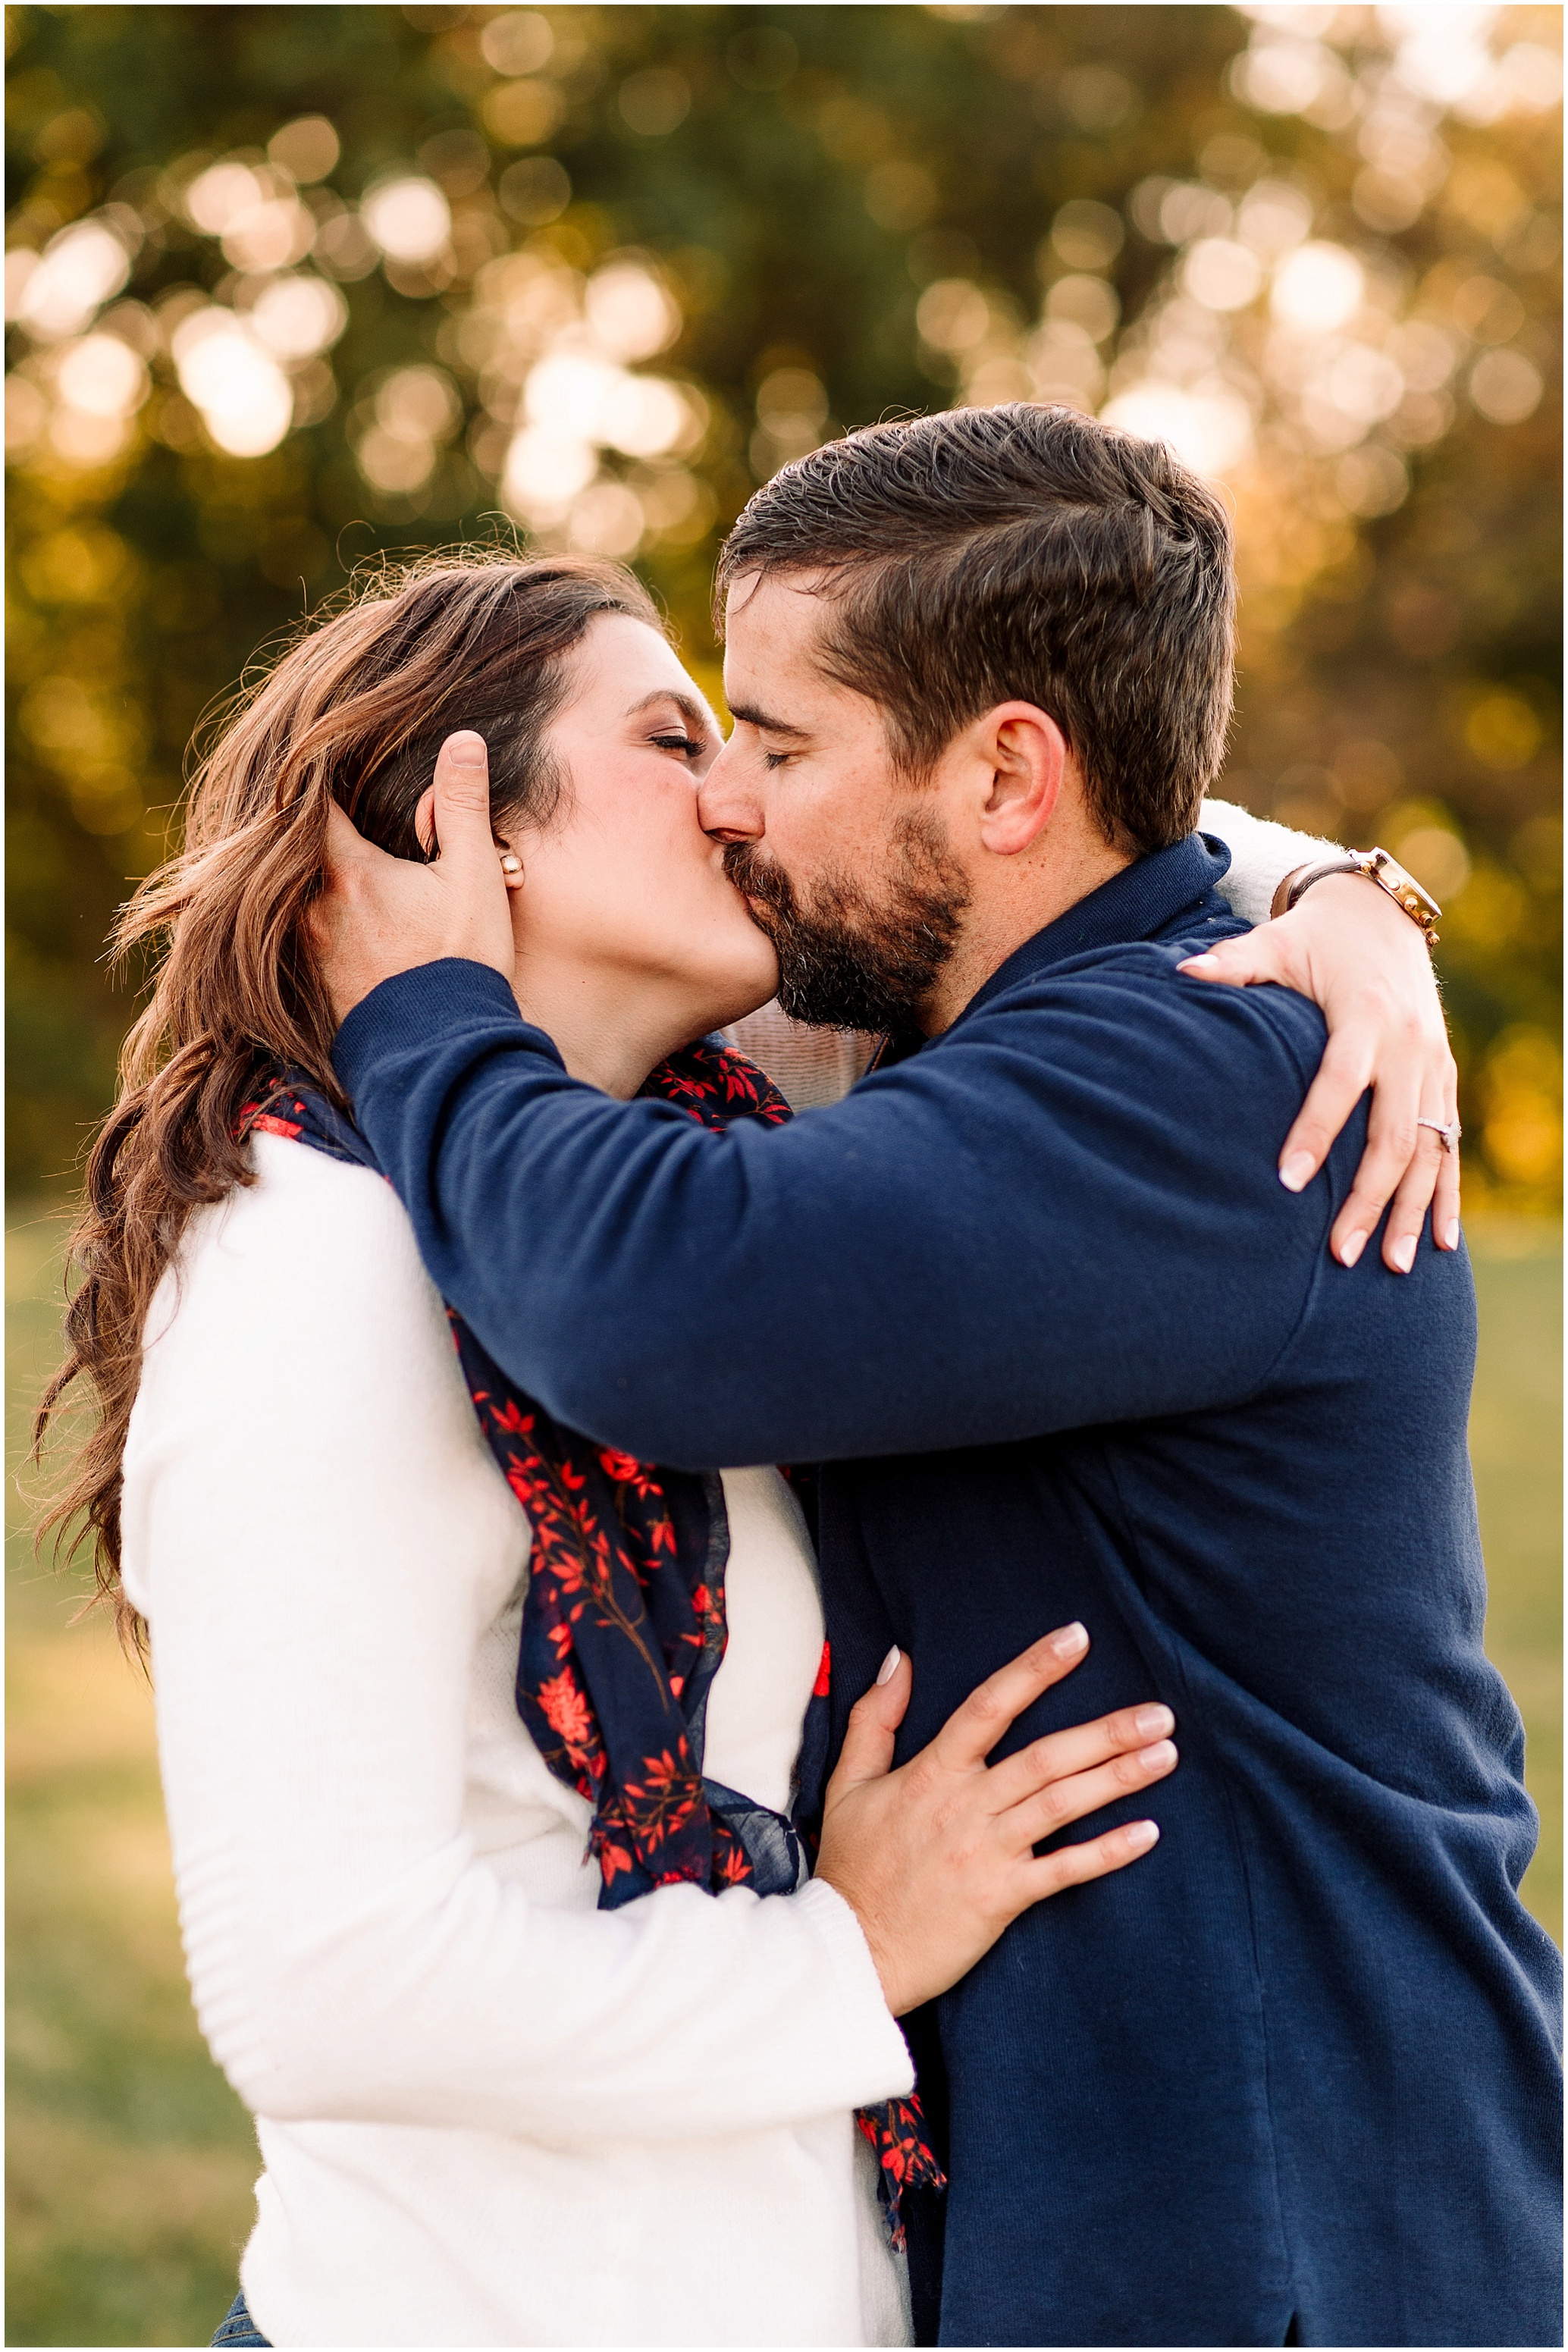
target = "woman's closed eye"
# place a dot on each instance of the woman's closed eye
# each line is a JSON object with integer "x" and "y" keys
{"x": 690, "y": 747}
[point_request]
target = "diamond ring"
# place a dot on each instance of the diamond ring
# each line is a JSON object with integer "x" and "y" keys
{"x": 1447, "y": 1132}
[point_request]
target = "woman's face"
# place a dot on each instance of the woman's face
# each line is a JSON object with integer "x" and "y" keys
{"x": 624, "y": 883}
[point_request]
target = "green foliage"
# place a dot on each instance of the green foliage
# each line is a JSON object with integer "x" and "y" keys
{"x": 796, "y": 177}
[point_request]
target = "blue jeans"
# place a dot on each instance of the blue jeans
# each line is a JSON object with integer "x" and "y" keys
{"x": 239, "y": 2327}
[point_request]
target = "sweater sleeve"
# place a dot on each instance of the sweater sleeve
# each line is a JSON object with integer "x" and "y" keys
{"x": 322, "y": 1542}
{"x": 958, "y": 1254}
{"x": 1262, "y": 854}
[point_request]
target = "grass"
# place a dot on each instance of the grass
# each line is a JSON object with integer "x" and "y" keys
{"x": 130, "y": 2161}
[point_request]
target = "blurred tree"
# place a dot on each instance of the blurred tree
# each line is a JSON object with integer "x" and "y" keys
{"x": 294, "y": 285}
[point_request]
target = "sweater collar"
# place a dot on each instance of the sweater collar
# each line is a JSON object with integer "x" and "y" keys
{"x": 1139, "y": 903}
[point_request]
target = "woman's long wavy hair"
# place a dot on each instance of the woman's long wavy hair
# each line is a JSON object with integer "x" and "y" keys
{"x": 355, "y": 711}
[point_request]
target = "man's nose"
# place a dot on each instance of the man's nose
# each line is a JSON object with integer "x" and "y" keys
{"x": 726, "y": 805}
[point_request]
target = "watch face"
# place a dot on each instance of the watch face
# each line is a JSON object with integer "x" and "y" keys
{"x": 1403, "y": 886}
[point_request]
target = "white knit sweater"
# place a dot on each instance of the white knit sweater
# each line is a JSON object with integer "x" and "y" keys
{"x": 488, "y": 2113}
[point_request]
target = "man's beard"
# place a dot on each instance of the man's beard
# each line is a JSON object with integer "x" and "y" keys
{"x": 848, "y": 961}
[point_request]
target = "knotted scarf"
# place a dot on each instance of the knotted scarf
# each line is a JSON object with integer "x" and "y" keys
{"x": 623, "y": 1620}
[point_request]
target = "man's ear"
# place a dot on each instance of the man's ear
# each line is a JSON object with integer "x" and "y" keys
{"x": 1027, "y": 754}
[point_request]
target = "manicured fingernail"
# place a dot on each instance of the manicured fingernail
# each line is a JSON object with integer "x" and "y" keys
{"x": 1296, "y": 1173}
{"x": 1451, "y": 1235}
{"x": 1151, "y": 1722}
{"x": 889, "y": 1666}
{"x": 1155, "y": 1759}
{"x": 467, "y": 750}
{"x": 1351, "y": 1248}
{"x": 1200, "y": 963}
{"x": 1069, "y": 1641}
{"x": 1139, "y": 1834}
{"x": 1404, "y": 1253}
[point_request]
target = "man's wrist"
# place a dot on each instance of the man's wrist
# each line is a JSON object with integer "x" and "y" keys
{"x": 412, "y": 1008}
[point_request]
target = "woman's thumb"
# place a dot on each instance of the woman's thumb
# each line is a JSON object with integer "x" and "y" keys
{"x": 867, "y": 1750}
{"x": 1242, "y": 962}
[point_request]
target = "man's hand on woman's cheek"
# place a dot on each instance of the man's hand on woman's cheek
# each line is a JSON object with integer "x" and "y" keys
{"x": 1349, "y": 947}
{"x": 377, "y": 915}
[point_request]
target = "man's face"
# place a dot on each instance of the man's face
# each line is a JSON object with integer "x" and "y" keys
{"x": 843, "y": 861}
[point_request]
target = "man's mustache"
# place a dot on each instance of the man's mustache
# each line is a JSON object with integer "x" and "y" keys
{"x": 760, "y": 878}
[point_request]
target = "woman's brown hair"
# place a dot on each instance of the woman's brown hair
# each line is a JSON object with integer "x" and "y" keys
{"x": 354, "y": 711}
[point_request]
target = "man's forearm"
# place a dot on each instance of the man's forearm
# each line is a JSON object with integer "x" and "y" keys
{"x": 959, "y": 1254}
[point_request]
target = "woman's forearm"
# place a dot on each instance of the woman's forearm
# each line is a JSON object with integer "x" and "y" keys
{"x": 1262, "y": 854}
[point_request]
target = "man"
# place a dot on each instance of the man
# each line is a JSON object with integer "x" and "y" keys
{"x": 1067, "y": 1346}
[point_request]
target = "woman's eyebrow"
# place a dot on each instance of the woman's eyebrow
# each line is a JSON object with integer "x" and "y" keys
{"x": 695, "y": 713}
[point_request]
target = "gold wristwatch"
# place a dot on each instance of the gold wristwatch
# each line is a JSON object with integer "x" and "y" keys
{"x": 1377, "y": 867}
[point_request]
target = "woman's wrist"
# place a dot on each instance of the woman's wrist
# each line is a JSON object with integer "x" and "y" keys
{"x": 1373, "y": 866}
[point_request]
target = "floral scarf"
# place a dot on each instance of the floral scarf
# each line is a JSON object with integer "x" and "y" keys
{"x": 623, "y": 1620}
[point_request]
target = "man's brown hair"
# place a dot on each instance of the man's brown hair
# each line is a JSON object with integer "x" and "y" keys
{"x": 1025, "y": 553}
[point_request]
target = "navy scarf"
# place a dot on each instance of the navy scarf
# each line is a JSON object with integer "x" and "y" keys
{"x": 623, "y": 1620}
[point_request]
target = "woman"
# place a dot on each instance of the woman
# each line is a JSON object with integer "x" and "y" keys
{"x": 400, "y": 1716}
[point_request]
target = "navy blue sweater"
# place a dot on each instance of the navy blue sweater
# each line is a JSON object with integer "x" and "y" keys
{"x": 1035, "y": 1299}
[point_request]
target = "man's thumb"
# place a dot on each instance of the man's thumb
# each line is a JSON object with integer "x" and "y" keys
{"x": 462, "y": 810}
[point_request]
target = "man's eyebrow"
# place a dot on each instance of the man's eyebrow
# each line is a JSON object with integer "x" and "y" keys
{"x": 695, "y": 713}
{"x": 763, "y": 718}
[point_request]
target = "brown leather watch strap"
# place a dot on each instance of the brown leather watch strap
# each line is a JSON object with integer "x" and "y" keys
{"x": 1375, "y": 866}
{"x": 1301, "y": 877}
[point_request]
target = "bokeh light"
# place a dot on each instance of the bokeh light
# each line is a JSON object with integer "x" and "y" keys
{"x": 234, "y": 381}
{"x": 630, "y": 311}
{"x": 307, "y": 149}
{"x": 518, "y": 42}
{"x": 297, "y": 317}
{"x": 409, "y": 218}
{"x": 1316, "y": 288}
{"x": 101, "y": 376}
{"x": 655, "y": 101}
{"x": 71, "y": 279}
